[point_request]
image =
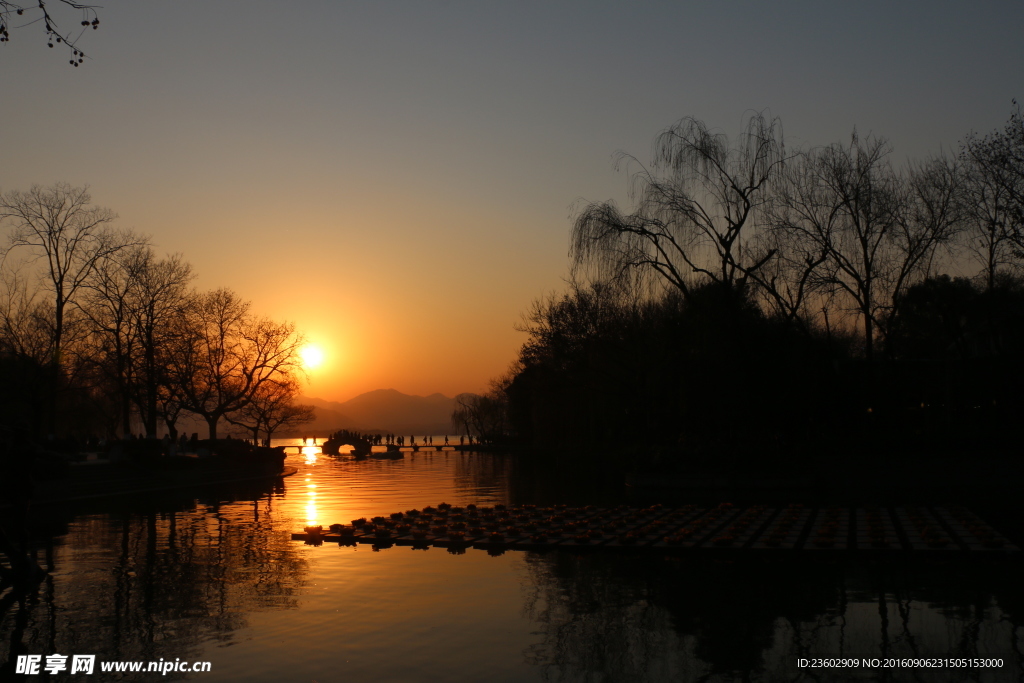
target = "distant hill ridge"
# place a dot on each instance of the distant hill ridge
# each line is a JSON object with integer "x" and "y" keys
{"x": 384, "y": 410}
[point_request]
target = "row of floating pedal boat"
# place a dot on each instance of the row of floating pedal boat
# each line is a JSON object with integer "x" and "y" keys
{"x": 724, "y": 526}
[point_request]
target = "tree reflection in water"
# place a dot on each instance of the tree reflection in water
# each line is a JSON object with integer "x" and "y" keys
{"x": 167, "y": 577}
{"x": 157, "y": 579}
{"x": 608, "y": 617}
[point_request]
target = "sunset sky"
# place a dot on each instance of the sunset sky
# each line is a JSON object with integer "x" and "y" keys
{"x": 398, "y": 178}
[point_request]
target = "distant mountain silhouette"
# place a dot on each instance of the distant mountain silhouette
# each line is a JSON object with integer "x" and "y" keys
{"x": 384, "y": 410}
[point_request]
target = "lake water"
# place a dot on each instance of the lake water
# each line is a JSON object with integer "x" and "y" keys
{"x": 212, "y": 575}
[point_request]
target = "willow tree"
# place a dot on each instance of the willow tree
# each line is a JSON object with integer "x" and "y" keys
{"x": 697, "y": 211}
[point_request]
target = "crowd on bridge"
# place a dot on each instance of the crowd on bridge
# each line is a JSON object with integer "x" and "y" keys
{"x": 350, "y": 436}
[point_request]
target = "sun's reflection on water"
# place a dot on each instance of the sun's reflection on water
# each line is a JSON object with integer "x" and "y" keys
{"x": 558, "y": 615}
{"x": 310, "y": 450}
{"x": 311, "y": 513}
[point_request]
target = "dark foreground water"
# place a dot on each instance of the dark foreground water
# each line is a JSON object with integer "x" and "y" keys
{"x": 211, "y": 575}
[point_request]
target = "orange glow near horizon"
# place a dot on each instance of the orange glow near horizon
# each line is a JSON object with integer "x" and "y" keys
{"x": 421, "y": 356}
{"x": 404, "y": 214}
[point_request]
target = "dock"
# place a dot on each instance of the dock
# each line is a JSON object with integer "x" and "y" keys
{"x": 755, "y": 529}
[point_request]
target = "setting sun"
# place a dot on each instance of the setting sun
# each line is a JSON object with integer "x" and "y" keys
{"x": 312, "y": 356}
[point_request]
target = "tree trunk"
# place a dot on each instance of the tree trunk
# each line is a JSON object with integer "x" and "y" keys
{"x": 869, "y": 337}
{"x": 58, "y": 330}
{"x": 211, "y": 420}
{"x": 126, "y": 415}
{"x": 150, "y": 399}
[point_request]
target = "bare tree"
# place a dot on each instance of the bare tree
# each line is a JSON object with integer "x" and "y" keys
{"x": 106, "y": 302}
{"x": 486, "y": 416}
{"x": 26, "y": 322}
{"x": 843, "y": 201}
{"x": 169, "y": 405}
{"x": 158, "y": 304}
{"x": 483, "y": 416}
{"x": 205, "y": 365}
{"x": 287, "y": 415}
{"x": 993, "y": 196}
{"x": 58, "y": 226}
{"x": 787, "y": 281}
{"x": 863, "y": 229}
{"x": 223, "y": 355}
{"x": 271, "y": 408}
{"x": 462, "y": 416}
{"x": 988, "y": 234}
{"x": 930, "y": 219}
{"x": 131, "y": 300}
{"x": 696, "y": 213}
{"x": 23, "y": 14}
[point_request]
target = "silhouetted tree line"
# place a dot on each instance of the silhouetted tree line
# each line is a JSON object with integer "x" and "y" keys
{"x": 100, "y": 336}
{"x": 758, "y": 298}
{"x": 483, "y": 417}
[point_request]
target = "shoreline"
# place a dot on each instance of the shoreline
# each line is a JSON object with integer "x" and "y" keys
{"x": 50, "y": 492}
